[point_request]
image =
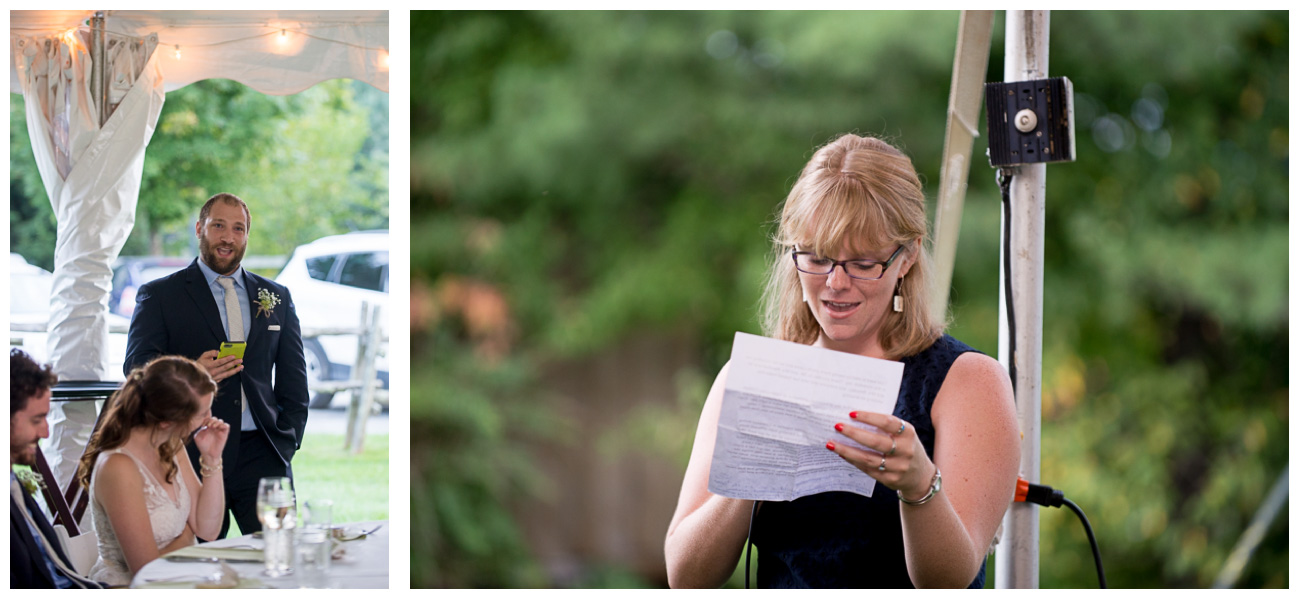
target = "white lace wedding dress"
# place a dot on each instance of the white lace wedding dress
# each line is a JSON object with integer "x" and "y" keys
{"x": 167, "y": 518}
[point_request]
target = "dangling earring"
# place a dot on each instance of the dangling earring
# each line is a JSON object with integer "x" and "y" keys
{"x": 805, "y": 296}
{"x": 898, "y": 297}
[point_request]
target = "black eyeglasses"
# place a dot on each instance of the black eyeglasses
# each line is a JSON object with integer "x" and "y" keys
{"x": 869, "y": 270}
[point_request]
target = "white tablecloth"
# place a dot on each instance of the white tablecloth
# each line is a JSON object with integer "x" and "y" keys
{"x": 363, "y": 565}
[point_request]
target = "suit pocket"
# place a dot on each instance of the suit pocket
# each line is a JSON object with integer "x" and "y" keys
{"x": 268, "y": 344}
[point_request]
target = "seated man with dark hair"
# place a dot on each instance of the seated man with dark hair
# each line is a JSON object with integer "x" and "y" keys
{"x": 36, "y": 558}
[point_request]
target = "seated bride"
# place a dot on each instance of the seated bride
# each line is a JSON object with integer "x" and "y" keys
{"x": 146, "y": 500}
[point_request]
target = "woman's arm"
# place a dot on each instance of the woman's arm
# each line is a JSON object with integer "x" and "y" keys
{"x": 186, "y": 538}
{"x": 707, "y": 533}
{"x": 209, "y": 504}
{"x": 119, "y": 488}
{"x": 977, "y": 449}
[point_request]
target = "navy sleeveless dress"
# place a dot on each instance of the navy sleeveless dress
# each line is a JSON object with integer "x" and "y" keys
{"x": 842, "y": 539}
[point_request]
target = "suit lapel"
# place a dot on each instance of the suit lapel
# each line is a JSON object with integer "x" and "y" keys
{"x": 47, "y": 531}
{"x": 35, "y": 546}
{"x": 257, "y": 324}
{"x": 18, "y": 527}
{"x": 197, "y": 287}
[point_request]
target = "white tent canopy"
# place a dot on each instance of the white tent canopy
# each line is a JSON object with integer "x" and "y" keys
{"x": 92, "y": 172}
{"x": 273, "y": 52}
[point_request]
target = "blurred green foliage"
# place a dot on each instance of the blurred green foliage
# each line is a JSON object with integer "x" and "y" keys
{"x": 598, "y": 175}
{"x": 309, "y": 165}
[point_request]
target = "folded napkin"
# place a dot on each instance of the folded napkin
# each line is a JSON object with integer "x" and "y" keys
{"x": 224, "y": 578}
{"x": 243, "y": 584}
{"x": 204, "y": 551}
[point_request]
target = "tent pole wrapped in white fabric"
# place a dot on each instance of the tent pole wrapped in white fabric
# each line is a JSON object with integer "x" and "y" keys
{"x": 92, "y": 173}
{"x": 92, "y": 176}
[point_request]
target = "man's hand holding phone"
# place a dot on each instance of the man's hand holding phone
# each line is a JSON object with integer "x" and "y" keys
{"x": 225, "y": 362}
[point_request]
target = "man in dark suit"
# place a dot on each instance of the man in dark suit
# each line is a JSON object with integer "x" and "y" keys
{"x": 214, "y": 300}
{"x": 36, "y": 558}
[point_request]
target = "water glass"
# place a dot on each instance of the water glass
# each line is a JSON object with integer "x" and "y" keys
{"x": 312, "y": 558}
{"x": 314, "y": 546}
{"x": 277, "y": 510}
{"x": 318, "y": 514}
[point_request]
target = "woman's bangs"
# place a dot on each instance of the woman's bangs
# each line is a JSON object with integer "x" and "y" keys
{"x": 828, "y": 224}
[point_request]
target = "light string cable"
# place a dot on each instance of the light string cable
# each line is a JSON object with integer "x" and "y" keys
{"x": 274, "y": 31}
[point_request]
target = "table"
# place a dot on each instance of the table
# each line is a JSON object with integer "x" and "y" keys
{"x": 364, "y": 564}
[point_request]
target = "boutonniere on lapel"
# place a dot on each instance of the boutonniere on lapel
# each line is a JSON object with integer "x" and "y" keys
{"x": 30, "y": 480}
{"x": 266, "y": 301}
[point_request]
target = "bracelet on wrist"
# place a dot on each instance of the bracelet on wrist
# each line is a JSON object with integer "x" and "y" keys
{"x": 936, "y": 483}
{"x": 204, "y": 466}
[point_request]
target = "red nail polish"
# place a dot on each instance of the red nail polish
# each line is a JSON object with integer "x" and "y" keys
{"x": 830, "y": 445}
{"x": 853, "y": 415}
{"x": 839, "y": 427}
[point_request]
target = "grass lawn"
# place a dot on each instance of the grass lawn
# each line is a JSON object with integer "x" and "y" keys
{"x": 358, "y": 484}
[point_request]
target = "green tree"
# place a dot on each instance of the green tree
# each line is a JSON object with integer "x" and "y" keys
{"x": 209, "y": 136}
{"x": 31, "y": 220}
{"x": 319, "y": 178}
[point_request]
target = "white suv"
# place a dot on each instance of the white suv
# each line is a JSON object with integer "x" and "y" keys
{"x": 329, "y": 279}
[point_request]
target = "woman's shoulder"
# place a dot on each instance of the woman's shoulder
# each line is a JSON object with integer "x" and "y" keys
{"x": 976, "y": 377}
{"x": 117, "y": 460}
{"x": 959, "y": 359}
{"x": 975, "y": 365}
{"x": 117, "y": 468}
{"x": 116, "y": 479}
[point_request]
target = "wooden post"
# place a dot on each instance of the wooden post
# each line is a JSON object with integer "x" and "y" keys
{"x": 974, "y": 37}
{"x": 354, "y": 397}
{"x": 363, "y": 397}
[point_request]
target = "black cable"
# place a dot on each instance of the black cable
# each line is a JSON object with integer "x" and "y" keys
{"x": 749, "y": 539}
{"x": 1096, "y": 553}
{"x": 1038, "y": 494}
{"x": 1004, "y": 182}
{"x": 1043, "y": 495}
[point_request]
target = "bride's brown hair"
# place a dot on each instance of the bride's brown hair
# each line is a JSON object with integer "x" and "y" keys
{"x": 166, "y": 390}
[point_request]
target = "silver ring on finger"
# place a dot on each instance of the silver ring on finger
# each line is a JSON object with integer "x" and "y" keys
{"x": 882, "y": 465}
{"x": 901, "y": 428}
{"x": 893, "y": 447}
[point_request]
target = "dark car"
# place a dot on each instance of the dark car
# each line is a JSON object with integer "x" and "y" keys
{"x": 131, "y": 272}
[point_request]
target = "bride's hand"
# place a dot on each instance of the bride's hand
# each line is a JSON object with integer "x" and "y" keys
{"x": 211, "y": 438}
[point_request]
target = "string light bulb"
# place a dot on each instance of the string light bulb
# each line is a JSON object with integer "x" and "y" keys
{"x": 178, "y": 51}
{"x": 383, "y": 59}
{"x": 283, "y": 38}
